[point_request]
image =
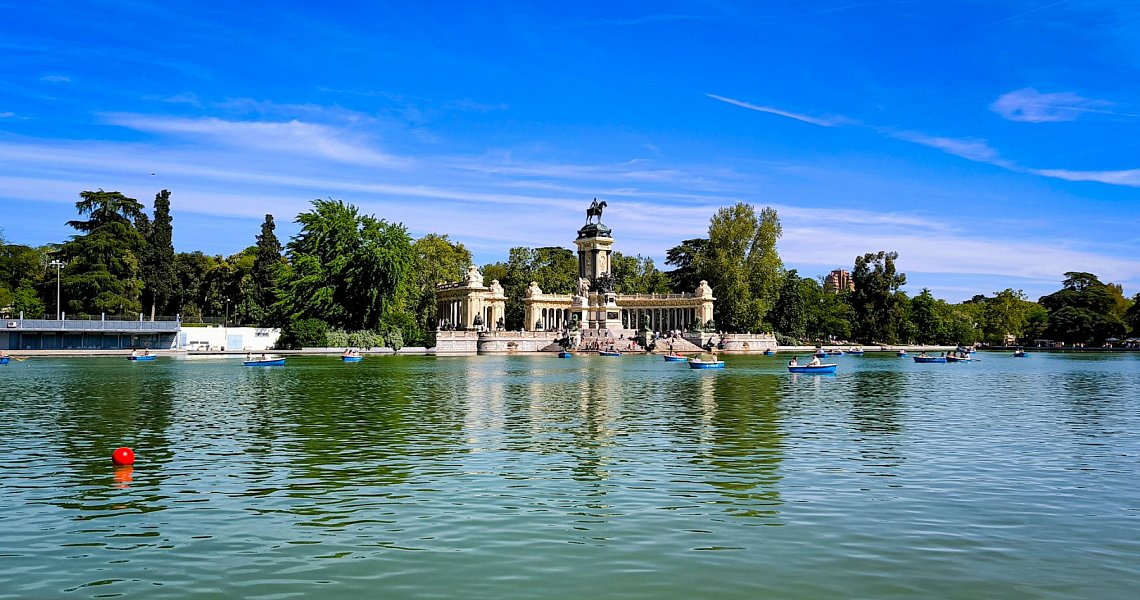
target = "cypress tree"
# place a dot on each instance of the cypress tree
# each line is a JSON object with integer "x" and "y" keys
{"x": 159, "y": 279}
{"x": 266, "y": 265}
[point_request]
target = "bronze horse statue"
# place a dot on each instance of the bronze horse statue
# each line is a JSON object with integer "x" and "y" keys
{"x": 595, "y": 210}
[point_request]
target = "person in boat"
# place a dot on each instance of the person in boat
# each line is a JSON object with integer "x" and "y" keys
{"x": 795, "y": 362}
{"x": 146, "y": 352}
{"x": 814, "y": 362}
{"x": 249, "y": 356}
{"x": 922, "y": 354}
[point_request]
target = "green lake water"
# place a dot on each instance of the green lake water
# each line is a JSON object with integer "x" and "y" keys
{"x": 538, "y": 477}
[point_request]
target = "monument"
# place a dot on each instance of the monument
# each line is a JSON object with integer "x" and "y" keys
{"x": 593, "y": 310}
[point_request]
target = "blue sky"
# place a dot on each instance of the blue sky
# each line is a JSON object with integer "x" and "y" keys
{"x": 991, "y": 144}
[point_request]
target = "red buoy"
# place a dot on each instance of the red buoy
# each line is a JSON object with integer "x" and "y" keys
{"x": 123, "y": 456}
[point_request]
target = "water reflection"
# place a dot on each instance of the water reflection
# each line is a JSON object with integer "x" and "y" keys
{"x": 747, "y": 446}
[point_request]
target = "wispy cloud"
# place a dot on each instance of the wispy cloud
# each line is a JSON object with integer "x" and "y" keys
{"x": 658, "y": 18}
{"x": 1129, "y": 177}
{"x": 55, "y": 78}
{"x": 189, "y": 98}
{"x": 1025, "y": 13}
{"x": 295, "y": 137}
{"x": 977, "y": 150}
{"x": 1031, "y": 106}
{"x": 828, "y": 121}
{"x": 1023, "y": 105}
{"x": 7, "y": 115}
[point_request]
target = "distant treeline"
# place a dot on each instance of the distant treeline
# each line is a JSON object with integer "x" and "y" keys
{"x": 353, "y": 279}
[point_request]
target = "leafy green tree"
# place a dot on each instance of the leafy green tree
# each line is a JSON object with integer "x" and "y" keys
{"x": 741, "y": 263}
{"x": 266, "y": 269}
{"x": 26, "y": 299}
{"x": 829, "y": 315}
{"x": 22, "y": 279}
{"x": 684, "y": 257}
{"x": 637, "y": 275}
{"x": 790, "y": 315}
{"x": 304, "y": 333}
{"x": 877, "y": 300}
{"x": 103, "y": 267}
{"x": 156, "y": 266}
{"x": 437, "y": 260}
{"x": 554, "y": 269}
{"x": 928, "y": 318}
{"x": 1005, "y": 315}
{"x": 1083, "y": 311}
{"x": 191, "y": 270}
{"x": 349, "y": 270}
{"x": 1132, "y": 317}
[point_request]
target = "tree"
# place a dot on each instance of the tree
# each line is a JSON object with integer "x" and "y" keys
{"x": 1083, "y": 311}
{"x": 266, "y": 269}
{"x": 790, "y": 315}
{"x": 927, "y": 318}
{"x": 877, "y": 300}
{"x": 1005, "y": 315}
{"x": 437, "y": 260}
{"x": 22, "y": 278}
{"x": 684, "y": 257}
{"x": 828, "y": 315}
{"x": 554, "y": 269}
{"x": 637, "y": 275}
{"x": 1132, "y": 317}
{"x": 102, "y": 274}
{"x": 349, "y": 270}
{"x": 156, "y": 266}
{"x": 741, "y": 263}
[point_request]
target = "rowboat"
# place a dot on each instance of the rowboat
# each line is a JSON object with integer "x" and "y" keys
{"x": 608, "y": 353}
{"x": 4, "y": 360}
{"x": 675, "y": 358}
{"x": 142, "y": 357}
{"x": 350, "y": 359}
{"x": 930, "y": 359}
{"x": 820, "y": 354}
{"x": 264, "y": 362}
{"x": 958, "y": 359}
{"x": 901, "y": 354}
{"x": 1020, "y": 354}
{"x": 769, "y": 352}
{"x": 813, "y": 369}
{"x": 564, "y": 354}
{"x": 855, "y": 352}
{"x": 696, "y": 363}
{"x": 835, "y": 353}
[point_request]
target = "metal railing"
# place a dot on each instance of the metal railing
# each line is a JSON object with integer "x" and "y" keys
{"x": 88, "y": 325}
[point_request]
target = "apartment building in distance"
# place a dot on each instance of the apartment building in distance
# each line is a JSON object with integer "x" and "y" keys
{"x": 840, "y": 279}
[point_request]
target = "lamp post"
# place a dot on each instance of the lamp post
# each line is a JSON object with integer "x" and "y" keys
{"x": 225, "y": 327}
{"x": 58, "y": 264}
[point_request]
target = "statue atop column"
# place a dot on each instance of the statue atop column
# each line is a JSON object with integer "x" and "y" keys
{"x": 590, "y": 230}
{"x": 595, "y": 210}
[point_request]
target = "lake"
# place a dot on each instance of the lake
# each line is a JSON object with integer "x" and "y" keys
{"x": 537, "y": 477}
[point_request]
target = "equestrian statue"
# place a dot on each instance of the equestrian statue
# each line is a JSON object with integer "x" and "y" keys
{"x": 595, "y": 210}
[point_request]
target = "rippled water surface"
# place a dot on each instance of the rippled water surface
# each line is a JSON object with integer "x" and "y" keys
{"x": 535, "y": 477}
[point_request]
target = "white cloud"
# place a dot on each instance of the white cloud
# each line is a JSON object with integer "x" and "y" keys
{"x": 1129, "y": 177}
{"x": 7, "y": 115}
{"x": 829, "y": 121}
{"x": 1032, "y": 106}
{"x": 55, "y": 78}
{"x": 294, "y": 137}
{"x": 972, "y": 149}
